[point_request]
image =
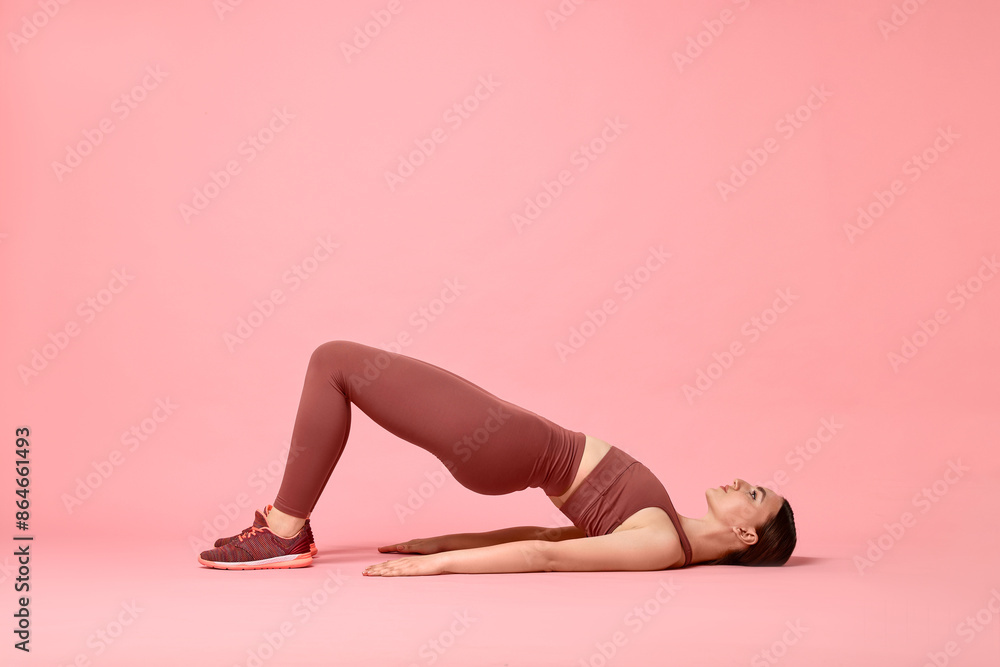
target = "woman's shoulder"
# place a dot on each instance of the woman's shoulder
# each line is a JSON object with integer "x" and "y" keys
{"x": 661, "y": 531}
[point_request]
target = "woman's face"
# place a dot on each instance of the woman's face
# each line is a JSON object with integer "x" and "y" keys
{"x": 743, "y": 505}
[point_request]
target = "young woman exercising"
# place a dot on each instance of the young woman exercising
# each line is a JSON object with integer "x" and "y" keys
{"x": 622, "y": 516}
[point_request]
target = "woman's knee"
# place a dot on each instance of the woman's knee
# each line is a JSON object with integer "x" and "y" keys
{"x": 347, "y": 355}
{"x": 332, "y": 353}
{"x": 352, "y": 366}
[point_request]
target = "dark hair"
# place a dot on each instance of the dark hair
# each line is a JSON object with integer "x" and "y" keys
{"x": 775, "y": 542}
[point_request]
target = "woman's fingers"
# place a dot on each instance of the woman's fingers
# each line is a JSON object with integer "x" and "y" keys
{"x": 402, "y": 548}
{"x": 409, "y": 566}
{"x": 379, "y": 570}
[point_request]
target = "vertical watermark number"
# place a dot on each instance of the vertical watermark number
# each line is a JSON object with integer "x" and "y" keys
{"x": 22, "y": 481}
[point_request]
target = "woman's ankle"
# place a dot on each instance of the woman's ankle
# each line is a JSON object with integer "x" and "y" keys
{"x": 284, "y": 525}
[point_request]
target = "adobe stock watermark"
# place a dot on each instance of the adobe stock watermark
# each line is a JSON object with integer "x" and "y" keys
{"x": 419, "y": 321}
{"x": 882, "y": 200}
{"x": 752, "y": 330}
{"x": 535, "y": 552}
{"x": 923, "y": 500}
{"x": 967, "y": 629}
{"x": 705, "y": 38}
{"x": 786, "y": 127}
{"x": 800, "y": 455}
{"x": 581, "y": 158}
{"x": 32, "y": 23}
{"x": 552, "y": 533}
{"x": 8, "y": 569}
{"x": 634, "y": 620}
{"x": 248, "y": 149}
{"x": 121, "y": 108}
{"x": 463, "y": 449}
{"x": 105, "y": 636}
{"x": 431, "y": 650}
{"x": 40, "y": 358}
{"x": 626, "y": 287}
{"x": 264, "y": 308}
{"x": 223, "y": 7}
{"x": 960, "y": 295}
{"x": 898, "y": 17}
{"x": 302, "y": 610}
{"x": 417, "y": 497}
{"x": 561, "y": 12}
{"x": 365, "y": 33}
{"x": 131, "y": 440}
{"x": 454, "y": 117}
{"x": 778, "y": 649}
{"x": 227, "y": 521}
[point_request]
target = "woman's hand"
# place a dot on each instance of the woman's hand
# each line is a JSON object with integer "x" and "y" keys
{"x": 429, "y": 545}
{"x": 409, "y": 566}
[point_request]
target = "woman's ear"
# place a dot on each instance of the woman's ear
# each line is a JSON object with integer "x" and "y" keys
{"x": 747, "y": 536}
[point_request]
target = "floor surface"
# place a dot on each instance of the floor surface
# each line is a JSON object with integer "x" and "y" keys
{"x": 122, "y": 605}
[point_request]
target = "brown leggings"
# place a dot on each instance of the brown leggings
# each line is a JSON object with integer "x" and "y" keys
{"x": 490, "y": 446}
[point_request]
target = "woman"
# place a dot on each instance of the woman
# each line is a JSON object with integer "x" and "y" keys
{"x": 622, "y": 516}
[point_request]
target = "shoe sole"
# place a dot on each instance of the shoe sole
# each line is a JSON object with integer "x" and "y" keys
{"x": 278, "y": 562}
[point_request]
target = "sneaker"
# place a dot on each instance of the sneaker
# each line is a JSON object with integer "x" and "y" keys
{"x": 263, "y": 523}
{"x": 257, "y": 548}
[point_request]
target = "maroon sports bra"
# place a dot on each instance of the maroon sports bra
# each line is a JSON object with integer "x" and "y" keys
{"x": 618, "y": 487}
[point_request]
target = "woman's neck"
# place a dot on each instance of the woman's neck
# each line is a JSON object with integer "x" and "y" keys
{"x": 708, "y": 538}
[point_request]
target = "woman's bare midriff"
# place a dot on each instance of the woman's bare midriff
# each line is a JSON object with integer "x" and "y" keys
{"x": 593, "y": 452}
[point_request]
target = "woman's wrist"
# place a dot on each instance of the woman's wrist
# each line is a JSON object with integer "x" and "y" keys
{"x": 442, "y": 562}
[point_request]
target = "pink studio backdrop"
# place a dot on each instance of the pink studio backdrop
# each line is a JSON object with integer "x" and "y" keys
{"x": 585, "y": 208}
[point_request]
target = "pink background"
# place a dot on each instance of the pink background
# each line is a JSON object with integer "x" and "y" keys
{"x": 320, "y": 174}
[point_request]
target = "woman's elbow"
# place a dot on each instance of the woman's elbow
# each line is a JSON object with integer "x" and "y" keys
{"x": 540, "y": 555}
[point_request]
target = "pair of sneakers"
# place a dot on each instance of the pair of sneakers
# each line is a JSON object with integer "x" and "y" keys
{"x": 258, "y": 548}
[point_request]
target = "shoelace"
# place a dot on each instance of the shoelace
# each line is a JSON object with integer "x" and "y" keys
{"x": 245, "y": 531}
{"x": 252, "y": 530}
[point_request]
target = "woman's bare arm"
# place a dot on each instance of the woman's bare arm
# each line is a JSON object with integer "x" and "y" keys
{"x": 457, "y": 541}
{"x": 637, "y": 549}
